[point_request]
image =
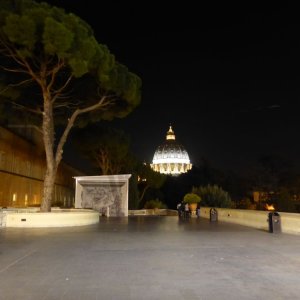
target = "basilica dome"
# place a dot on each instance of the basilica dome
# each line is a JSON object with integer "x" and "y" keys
{"x": 171, "y": 157}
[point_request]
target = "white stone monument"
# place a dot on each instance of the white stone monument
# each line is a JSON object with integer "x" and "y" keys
{"x": 107, "y": 194}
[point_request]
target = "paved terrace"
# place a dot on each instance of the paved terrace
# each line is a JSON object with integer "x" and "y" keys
{"x": 149, "y": 257}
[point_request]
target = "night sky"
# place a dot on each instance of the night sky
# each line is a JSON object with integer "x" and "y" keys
{"x": 226, "y": 77}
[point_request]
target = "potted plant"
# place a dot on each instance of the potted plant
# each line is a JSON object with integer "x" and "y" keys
{"x": 192, "y": 199}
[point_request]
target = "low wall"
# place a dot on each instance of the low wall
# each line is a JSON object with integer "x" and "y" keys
{"x": 152, "y": 212}
{"x": 55, "y": 218}
{"x": 290, "y": 222}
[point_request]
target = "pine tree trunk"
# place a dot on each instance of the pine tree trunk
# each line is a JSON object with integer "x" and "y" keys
{"x": 53, "y": 158}
{"x": 51, "y": 166}
{"x": 48, "y": 191}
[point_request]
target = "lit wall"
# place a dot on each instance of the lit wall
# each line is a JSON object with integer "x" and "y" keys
{"x": 22, "y": 167}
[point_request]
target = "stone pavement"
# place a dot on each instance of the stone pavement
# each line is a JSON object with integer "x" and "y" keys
{"x": 149, "y": 257}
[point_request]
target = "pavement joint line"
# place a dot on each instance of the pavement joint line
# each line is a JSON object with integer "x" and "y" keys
{"x": 16, "y": 261}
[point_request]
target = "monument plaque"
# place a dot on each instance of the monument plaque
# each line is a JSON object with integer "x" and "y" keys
{"x": 107, "y": 194}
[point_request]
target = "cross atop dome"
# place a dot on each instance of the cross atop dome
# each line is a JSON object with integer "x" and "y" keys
{"x": 170, "y": 134}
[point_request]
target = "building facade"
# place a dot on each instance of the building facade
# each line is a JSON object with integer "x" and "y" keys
{"x": 22, "y": 168}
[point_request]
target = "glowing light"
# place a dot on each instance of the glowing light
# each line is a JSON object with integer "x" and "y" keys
{"x": 171, "y": 157}
{"x": 170, "y": 134}
{"x": 269, "y": 207}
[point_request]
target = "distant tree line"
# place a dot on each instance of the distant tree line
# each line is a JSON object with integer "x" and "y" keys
{"x": 272, "y": 177}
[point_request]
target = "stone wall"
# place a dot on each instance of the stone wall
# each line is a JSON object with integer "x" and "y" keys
{"x": 290, "y": 222}
{"x": 107, "y": 194}
{"x": 56, "y": 218}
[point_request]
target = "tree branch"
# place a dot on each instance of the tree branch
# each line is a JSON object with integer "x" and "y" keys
{"x": 14, "y": 70}
{"x": 143, "y": 193}
{"x": 101, "y": 104}
{"x": 9, "y": 52}
{"x": 12, "y": 53}
{"x": 56, "y": 93}
{"x": 104, "y": 102}
{"x": 102, "y": 159}
{"x": 35, "y": 111}
{"x": 53, "y": 73}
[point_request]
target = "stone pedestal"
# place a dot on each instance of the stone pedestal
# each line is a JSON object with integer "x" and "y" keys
{"x": 107, "y": 193}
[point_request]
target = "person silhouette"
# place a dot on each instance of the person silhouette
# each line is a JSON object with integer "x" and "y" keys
{"x": 198, "y": 210}
{"x": 186, "y": 210}
{"x": 179, "y": 209}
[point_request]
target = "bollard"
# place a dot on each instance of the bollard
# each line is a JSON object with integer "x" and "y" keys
{"x": 213, "y": 215}
{"x": 274, "y": 222}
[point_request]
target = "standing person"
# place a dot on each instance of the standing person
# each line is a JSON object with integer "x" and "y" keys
{"x": 186, "y": 210}
{"x": 179, "y": 209}
{"x": 182, "y": 210}
{"x": 198, "y": 210}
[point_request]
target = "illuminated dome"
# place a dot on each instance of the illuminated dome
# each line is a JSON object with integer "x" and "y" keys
{"x": 170, "y": 157}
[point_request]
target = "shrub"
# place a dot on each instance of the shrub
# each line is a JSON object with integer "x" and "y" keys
{"x": 213, "y": 196}
{"x": 191, "y": 198}
{"x": 154, "y": 204}
{"x": 244, "y": 203}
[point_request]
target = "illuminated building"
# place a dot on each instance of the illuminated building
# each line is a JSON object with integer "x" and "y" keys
{"x": 22, "y": 171}
{"x": 171, "y": 157}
